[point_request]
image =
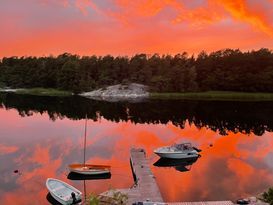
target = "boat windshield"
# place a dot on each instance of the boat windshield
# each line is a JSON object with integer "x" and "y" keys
{"x": 184, "y": 146}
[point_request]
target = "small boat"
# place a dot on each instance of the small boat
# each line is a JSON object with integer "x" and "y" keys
{"x": 63, "y": 192}
{"x": 89, "y": 169}
{"x": 178, "y": 151}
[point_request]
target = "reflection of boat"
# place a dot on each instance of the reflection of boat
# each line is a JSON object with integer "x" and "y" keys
{"x": 163, "y": 162}
{"x": 183, "y": 168}
{"x": 88, "y": 169}
{"x": 75, "y": 176}
{"x": 181, "y": 165}
{"x": 178, "y": 151}
{"x": 51, "y": 200}
{"x": 63, "y": 192}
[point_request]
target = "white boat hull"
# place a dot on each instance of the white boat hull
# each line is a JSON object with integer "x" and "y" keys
{"x": 177, "y": 155}
{"x": 178, "y": 151}
{"x": 61, "y": 191}
{"x": 87, "y": 172}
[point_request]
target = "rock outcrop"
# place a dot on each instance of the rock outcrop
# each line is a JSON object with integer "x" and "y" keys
{"x": 119, "y": 92}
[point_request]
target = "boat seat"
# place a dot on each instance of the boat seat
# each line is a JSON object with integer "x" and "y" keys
{"x": 58, "y": 188}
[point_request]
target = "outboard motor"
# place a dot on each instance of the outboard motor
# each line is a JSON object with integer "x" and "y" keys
{"x": 73, "y": 195}
{"x": 196, "y": 149}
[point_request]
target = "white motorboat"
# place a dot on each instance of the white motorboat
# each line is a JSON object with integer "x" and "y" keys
{"x": 178, "y": 151}
{"x": 63, "y": 192}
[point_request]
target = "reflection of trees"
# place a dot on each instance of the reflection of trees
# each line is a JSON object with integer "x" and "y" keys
{"x": 221, "y": 116}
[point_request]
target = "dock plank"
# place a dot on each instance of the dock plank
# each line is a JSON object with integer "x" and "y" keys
{"x": 192, "y": 203}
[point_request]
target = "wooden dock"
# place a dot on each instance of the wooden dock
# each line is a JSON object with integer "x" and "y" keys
{"x": 145, "y": 184}
{"x": 146, "y": 190}
{"x": 201, "y": 203}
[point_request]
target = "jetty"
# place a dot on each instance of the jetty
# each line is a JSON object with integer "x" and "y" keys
{"x": 191, "y": 203}
{"x": 145, "y": 188}
{"x": 145, "y": 191}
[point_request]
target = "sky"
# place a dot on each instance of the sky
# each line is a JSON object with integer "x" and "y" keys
{"x": 128, "y": 27}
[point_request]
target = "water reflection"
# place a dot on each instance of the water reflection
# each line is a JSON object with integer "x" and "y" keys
{"x": 223, "y": 116}
{"x": 182, "y": 165}
{"x": 75, "y": 176}
{"x": 51, "y": 200}
{"x": 40, "y": 148}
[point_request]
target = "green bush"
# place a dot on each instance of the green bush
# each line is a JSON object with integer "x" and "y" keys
{"x": 93, "y": 200}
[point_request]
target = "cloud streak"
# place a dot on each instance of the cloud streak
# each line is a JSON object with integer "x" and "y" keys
{"x": 244, "y": 12}
{"x": 211, "y": 12}
{"x": 125, "y": 27}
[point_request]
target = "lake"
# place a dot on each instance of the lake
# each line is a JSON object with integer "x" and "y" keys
{"x": 40, "y": 136}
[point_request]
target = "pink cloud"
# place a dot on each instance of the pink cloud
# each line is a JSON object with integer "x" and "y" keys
{"x": 245, "y": 12}
{"x": 123, "y": 27}
{"x": 83, "y": 5}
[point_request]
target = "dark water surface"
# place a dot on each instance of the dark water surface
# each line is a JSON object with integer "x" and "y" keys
{"x": 40, "y": 136}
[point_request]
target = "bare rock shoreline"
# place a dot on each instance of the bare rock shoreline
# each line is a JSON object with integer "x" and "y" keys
{"x": 119, "y": 92}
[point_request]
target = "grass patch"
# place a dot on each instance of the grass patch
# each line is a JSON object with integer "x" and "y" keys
{"x": 43, "y": 92}
{"x": 93, "y": 200}
{"x": 215, "y": 95}
{"x": 116, "y": 198}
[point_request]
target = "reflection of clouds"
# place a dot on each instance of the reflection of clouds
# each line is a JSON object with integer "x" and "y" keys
{"x": 7, "y": 178}
{"x": 49, "y": 157}
{"x": 218, "y": 173}
{"x": 36, "y": 167}
{"x": 5, "y": 149}
{"x": 227, "y": 170}
{"x": 249, "y": 179}
{"x": 269, "y": 160}
{"x": 200, "y": 137}
{"x": 95, "y": 150}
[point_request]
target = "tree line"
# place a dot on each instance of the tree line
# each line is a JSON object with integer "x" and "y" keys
{"x": 225, "y": 70}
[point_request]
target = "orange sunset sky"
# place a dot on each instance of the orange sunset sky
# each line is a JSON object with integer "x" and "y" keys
{"x": 127, "y": 27}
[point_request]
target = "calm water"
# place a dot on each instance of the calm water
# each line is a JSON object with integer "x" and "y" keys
{"x": 40, "y": 136}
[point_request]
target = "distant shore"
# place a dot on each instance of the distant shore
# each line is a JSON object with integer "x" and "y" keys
{"x": 208, "y": 95}
{"x": 215, "y": 95}
{"x": 38, "y": 91}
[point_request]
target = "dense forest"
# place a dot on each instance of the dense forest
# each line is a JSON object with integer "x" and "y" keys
{"x": 225, "y": 70}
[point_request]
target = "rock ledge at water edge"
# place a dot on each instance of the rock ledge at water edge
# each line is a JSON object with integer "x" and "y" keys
{"x": 119, "y": 91}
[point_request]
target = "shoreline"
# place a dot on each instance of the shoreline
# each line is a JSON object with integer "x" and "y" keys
{"x": 205, "y": 96}
{"x": 215, "y": 96}
{"x": 38, "y": 91}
